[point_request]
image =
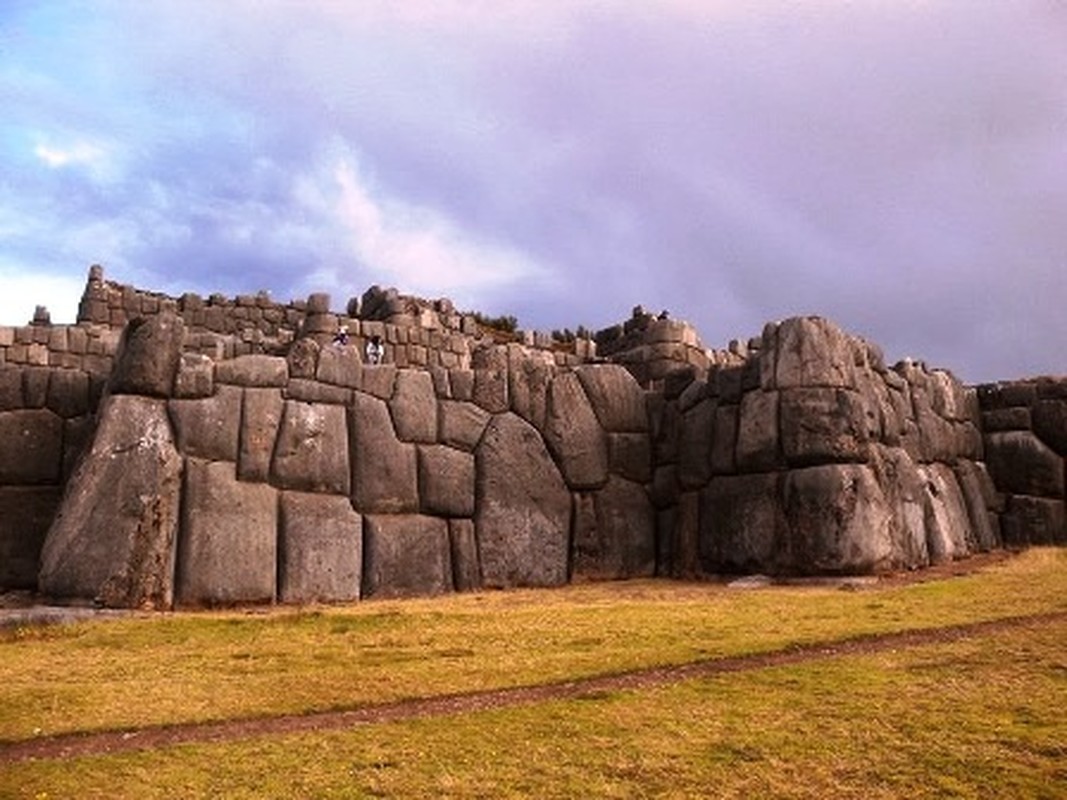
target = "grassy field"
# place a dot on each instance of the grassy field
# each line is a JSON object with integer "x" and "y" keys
{"x": 981, "y": 717}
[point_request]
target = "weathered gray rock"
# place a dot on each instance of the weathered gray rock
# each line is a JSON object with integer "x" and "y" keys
{"x": 523, "y": 516}
{"x": 822, "y": 425}
{"x": 315, "y": 392}
{"x": 303, "y": 358}
{"x": 724, "y": 444}
{"x": 904, "y": 488}
{"x": 379, "y": 380}
{"x": 77, "y": 437}
{"x": 68, "y": 393}
{"x": 947, "y": 523}
{"x": 31, "y": 447}
{"x": 466, "y": 571}
{"x": 10, "y": 388}
{"x": 617, "y": 399}
{"x": 208, "y": 428}
{"x": 810, "y": 351}
{"x": 528, "y": 379}
{"x": 35, "y": 381}
{"x": 114, "y": 535}
{"x": 148, "y": 356}
{"x": 253, "y": 370}
{"x": 462, "y": 382}
{"x": 618, "y": 539}
{"x": 838, "y": 520}
{"x": 461, "y": 424}
{"x": 1050, "y": 424}
{"x": 261, "y": 417}
{"x": 195, "y": 377}
{"x": 574, "y": 435}
{"x": 340, "y": 366}
{"x": 320, "y": 549}
{"x": 758, "y": 448}
{"x": 384, "y": 470}
{"x": 630, "y": 456}
{"x": 311, "y": 452}
{"x": 742, "y": 525}
{"x": 695, "y": 441}
{"x": 414, "y": 407}
{"x": 976, "y": 487}
{"x": 26, "y": 513}
{"x": 446, "y": 481}
{"x": 406, "y": 555}
{"x": 1021, "y": 463}
{"x": 1006, "y": 419}
{"x": 1033, "y": 521}
{"x": 228, "y": 546}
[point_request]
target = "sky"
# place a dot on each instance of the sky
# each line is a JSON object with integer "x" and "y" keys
{"x": 898, "y": 166}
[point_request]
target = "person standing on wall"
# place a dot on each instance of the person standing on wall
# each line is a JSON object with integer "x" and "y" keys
{"x": 375, "y": 350}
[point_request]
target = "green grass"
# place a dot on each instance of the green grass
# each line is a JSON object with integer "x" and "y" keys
{"x": 982, "y": 717}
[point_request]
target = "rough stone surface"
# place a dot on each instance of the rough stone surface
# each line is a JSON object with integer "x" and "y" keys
{"x": 195, "y": 377}
{"x": 947, "y": 523}
{"x": 757, "y": 432}
{"x": 148, "y": 356}
{"x": 340, "y": 366}
{"x": 616, "y": 397}
{"x": 528, "y": 382}
{"x": 208, "y": 428}
{"x": 822, "y": 425}
{"x": 320, "y": 549}
{"x": 1021, "y": 463}
{"x": 618, "y": 539}
{"x": 975, "y": 486}
{"x": 10, "y": 389}
{"x": 68, "y": 393}
{"x": 228, "y": 547}
{"x": 574, "y": 435}
{"x": 1050, "y": 424}
{"x": 253, "y": 370}
{"x": 630, "y": 456}
{"x": 260, "y": 418}
{"x": 113, "y": 537}
{"x": 414, "y": 407}
{"x": 406, "y": 555}
{"x": 446, "y": 481}
{"x": 694, "y": 445}
{"x": 31, "y": 447}
{"x": 523, "y": 514}
{"x": 384, "y": 469}
{"x": 461, "y": 424}
{"x": 311, "y": 452}
{"x": 1033, "y": 521}
{"x": 27, "y": 513}
{"x": 811, "y": 351}
{"x": 741, "y": 524}
{"x": 379, "y": 380}
{"x": 724, "y": 444}
{"x": 466, "y": 571}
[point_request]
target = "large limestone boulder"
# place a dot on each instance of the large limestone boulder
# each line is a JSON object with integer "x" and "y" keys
{"x": 446, "y": 481}
{"x": 616, "y": 537}
{"x": 26, "y": 513}
{"x": 1034, "y": 521}
{"x": 461, "y": 424}
{"x": 228, "y": 547}
{"x": 10, "y": 388}
{"x": 261, "y": 416}
{"x": 758, "y": 446}
{"x": 113, "y": 539}
{"x": 406, "y": 555}
{"x": 384, "y": 469}
{"x": 976, "y": 488}
{"x": 466, "y": 570}
{"x": 904, "y": 487}
{"x": 148, "y": 356}
{"x": 208, "y": 428}
{"x": 807, "y": 351}
{"x": 616, "y": 397}
{"x": 68, "y": 393}
{"x": 1050, "y": 423}
{"x": 311, "y": 452}
{"x": 630, "y": 456}
{"x": 1021, "y": 463}
{"x": 529, "y": 376}
{"x": 741, "y": 524}
{"x": 694, "y": 445}
{"x": 948, "y": 526}
{"x": 31, "y": 447}
{"x": 523, "y": 515}
{"x": 838, "y": 519}
{"x": 414, "y": 407}
{"x": 574, "y": 435}
{"x": 339, "y": 366}
{"x": 823, "y": 425}
{"x": 724, "y": 445}
{"x": 253, "y": 370}
{"x": 320, "y": 549}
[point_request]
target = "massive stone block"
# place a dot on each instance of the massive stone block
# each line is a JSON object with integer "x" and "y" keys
{"x": 311, "y": 452}
{"x": 26, "y": 513}
{"x": 1033, "y": 521}
{"x": 461, "y": 424}
{"x": 757, "y": 432}
{"x": 523, "y": 515}
{"x": 414, "y": 407}
{"x": 446, "y": 481}
{"x": 261, "y": 417}
{"x": 617, "y": 399}
{"x": 228, "y": 547}
{"x": 574, "y": 435}
{"x": 529, "y": 377}
{"x": 253, "y": 370}
{"x": 838, "y": 520}
{"x": 694, "y": 445}
{"x": 195, "y": 377}
{"x": 724, "y": 443}
{"x": 10, "y": 388}
{"x": 904, "y": 487}
{"x": 976, "y": 488}
{"x": 68, "y": 393}
{"x": 947, "y": 523}
{"x": 148, "y": 356}
{"x": 320, "y": 549}
{"x": 466, "y": 570}
{"x": 406, "y": 555}
{"x": 208, "y": 428}
{"x": 384, "y": 469}
{"x": 113, "y": 537}
{"x": 618, "y": 539}
{"x": 1021, "y": 463}
{"x": 630, "y": 456}
{"x": 1050, "y": 423}
{"x": 809, "y": 351}
{"x": 340, "y": 366}
{"x": 822, "y": 425}
{"x": 31, "y": 447}
{"x": 741, "y": 524}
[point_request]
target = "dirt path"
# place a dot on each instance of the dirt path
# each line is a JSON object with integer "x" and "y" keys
{"x": 87, "y": 744}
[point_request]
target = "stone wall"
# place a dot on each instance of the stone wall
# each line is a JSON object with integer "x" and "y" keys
{"x": 1025, "y": 432}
